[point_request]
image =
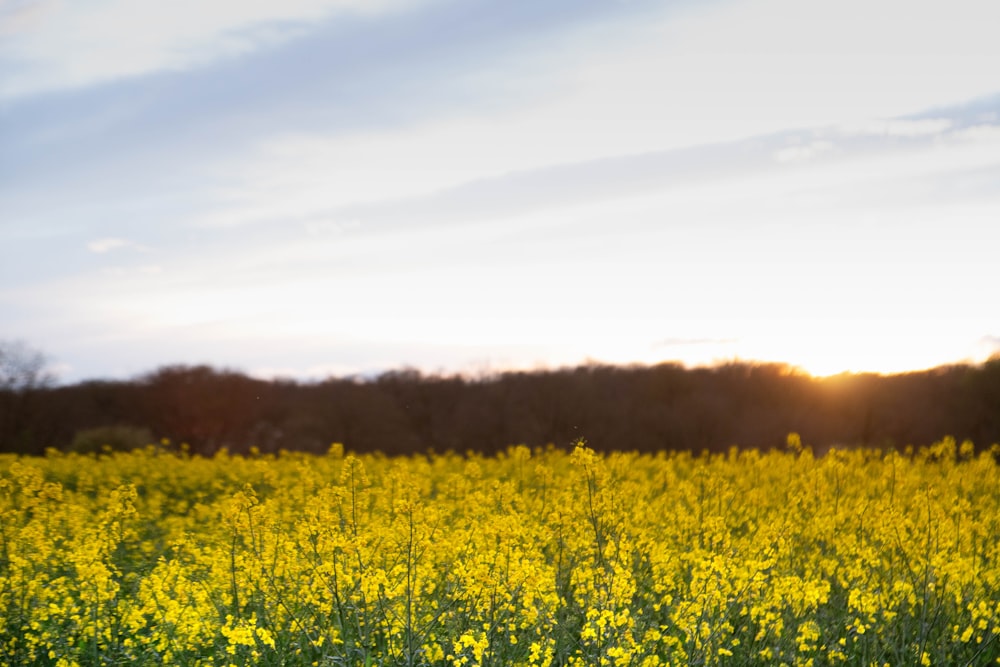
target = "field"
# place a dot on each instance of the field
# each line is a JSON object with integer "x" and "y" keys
{"x": 530, "y": 558}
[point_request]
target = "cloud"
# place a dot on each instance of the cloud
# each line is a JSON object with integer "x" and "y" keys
{"x": 917, "y": 128}
{"x": 20, "y": 15}
{"x": 979, "y": 133}
{"x": 350, "y": 78}
{"x": 80, "y": 44}
{"x": 324, "y": 227}
{"x": 465, "y": 181}
{"x": 123, "y": 271}
{"x": 447, "y": 173}
{"x": 800, "y": 153}
{"x": 900, "y": 127}
{"x": 678, "y": 342}
{"x": 102, "y": 246}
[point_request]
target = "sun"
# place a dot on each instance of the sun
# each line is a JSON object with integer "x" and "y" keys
{"x": 875, "y": 347}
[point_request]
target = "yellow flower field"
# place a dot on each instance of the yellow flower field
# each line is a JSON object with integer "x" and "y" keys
{"x": 530, "y": 558}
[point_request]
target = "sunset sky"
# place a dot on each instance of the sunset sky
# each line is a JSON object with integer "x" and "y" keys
{"x": 315, "y": 187}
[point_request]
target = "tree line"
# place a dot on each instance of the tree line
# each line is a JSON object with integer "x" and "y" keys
{"x": 643, "y": 408}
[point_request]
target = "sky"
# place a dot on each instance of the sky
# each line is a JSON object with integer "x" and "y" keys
{"x": 310, "y": 188}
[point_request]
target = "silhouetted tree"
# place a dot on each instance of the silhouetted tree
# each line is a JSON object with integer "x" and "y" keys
{"x": 204, "y": 408}
{"x": 980, "y": 399}
{"x": 22, "y": 375}
{"x": 613, "y": 407}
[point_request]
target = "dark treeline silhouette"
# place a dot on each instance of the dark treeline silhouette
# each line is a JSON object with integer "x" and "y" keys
{"x": 628, "y": 408}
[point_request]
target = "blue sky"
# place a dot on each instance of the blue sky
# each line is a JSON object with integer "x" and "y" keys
{"x": 318, "y": 187}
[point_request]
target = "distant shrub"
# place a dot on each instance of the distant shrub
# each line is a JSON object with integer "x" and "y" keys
{"x": 116, "y": 438}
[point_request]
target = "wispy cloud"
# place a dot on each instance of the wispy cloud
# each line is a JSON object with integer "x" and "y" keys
{"x": 21, "y": 15}
{"x": 121, "y": 271}
{"x": 854, "y": 169}
{"x": 980, "y": 133}
{"x": 804, "y": 152}
{"x": 900, "y": 127}
{"x": 326, "y": 227}
{"x": 681, "y": 342}
{"x": 105, "y": 245}
{"x": 349, "y": 83}
{"x": 87, "y": 43}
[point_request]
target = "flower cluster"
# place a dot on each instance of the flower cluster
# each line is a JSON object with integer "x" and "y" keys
{"x": 534, "y": 558}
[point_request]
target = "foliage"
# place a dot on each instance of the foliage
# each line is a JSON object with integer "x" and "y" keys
{"x": 116, "y": 438}
{"x": 639, "y": 408}
{"x": 540, "y": 557}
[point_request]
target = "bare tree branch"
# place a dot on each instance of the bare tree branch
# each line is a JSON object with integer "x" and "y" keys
{"x": 22, "y": 367}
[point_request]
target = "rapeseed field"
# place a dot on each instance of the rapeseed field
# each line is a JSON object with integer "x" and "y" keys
{"x": 544, "y": 557}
